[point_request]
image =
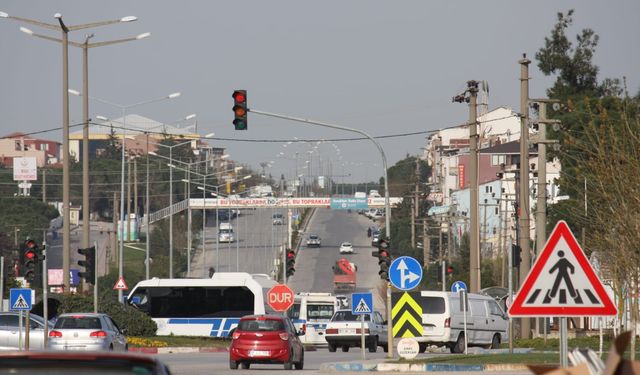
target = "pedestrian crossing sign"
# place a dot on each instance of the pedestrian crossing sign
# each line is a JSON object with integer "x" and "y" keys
{"x": 562, "y": 282}
{"x": 361, "y": 303}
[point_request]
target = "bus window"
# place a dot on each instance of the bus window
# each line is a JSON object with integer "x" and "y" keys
{"x": 319, "y": 311}
{"x": 195, "y": 302}
{"x": 294, "y": 311}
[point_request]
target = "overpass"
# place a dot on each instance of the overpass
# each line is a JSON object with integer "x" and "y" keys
{"x": 272, "y": 202}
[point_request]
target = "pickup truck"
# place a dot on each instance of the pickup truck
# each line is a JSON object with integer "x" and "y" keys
{"x": 344, "y": 331}
{"x": 344, "y": 276}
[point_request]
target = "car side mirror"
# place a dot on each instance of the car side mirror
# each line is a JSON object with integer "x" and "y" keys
{"x": 124, "y": 331}
{"x": 301, "y": 332}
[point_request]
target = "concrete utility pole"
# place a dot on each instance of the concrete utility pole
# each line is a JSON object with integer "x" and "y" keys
{"x": 416, "y": 205}
{"x": 474, "y": 234}
{"x": 524, "y": 224}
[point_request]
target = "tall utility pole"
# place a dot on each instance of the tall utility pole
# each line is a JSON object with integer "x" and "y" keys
{"x": 524, "y": 224}
{"x": 416, "y": 207}
{"x": 474, "y": 251}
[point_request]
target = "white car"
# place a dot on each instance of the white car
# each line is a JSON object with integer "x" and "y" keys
{"x": 346, "y": 248}
{"x": 344, "y": 331}
{"x": 314, "y": 241}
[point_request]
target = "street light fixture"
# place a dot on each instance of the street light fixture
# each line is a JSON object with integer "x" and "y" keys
{"x": 124, "y": 109}
{"x": 64, "y": 29}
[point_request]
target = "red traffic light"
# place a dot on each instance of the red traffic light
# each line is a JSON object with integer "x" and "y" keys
{"x": 30, "y": 254}
{"x": 239, "y": 96}
{"x": 30, "y": 244}
{"x": 449, "y": 269}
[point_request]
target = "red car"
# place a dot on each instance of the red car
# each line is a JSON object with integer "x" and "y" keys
{"x": 266, "y": 339}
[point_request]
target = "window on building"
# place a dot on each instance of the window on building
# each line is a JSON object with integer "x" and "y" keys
{"x": 18, "y": 146}
{"x": 498, "y": 159}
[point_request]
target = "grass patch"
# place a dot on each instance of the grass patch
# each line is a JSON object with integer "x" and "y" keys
{"x": 189, "y": 341}
{"x": 474, "y": 359}
{"x": 552, "y": 344}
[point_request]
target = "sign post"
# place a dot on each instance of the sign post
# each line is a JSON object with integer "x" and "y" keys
{"x": 362, "y": 304}
{"x": 562, "y": 283}
{"x": 21, "y": 299}
{"x": 280, "y": 297}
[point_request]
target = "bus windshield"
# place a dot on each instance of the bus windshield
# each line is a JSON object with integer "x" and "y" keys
{"x": 193, "y": 301}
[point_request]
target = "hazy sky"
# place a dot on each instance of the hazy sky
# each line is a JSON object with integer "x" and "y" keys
{"x": 386, "y": 67}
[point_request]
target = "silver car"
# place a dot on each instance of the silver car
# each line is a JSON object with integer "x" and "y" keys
{"x": 9, "y": 331}
{"x": 86, "y": 331}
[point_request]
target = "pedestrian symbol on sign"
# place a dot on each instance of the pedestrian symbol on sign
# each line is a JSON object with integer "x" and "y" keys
{"x": 20, "y": 304}
{"x": 362, "y": 307}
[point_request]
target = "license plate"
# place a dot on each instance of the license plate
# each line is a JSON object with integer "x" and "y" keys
{"x": 259, "y": 353}
{"x": 348, "y": 331}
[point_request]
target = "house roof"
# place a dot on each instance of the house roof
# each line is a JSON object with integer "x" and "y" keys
{"x": 133, "y": 125}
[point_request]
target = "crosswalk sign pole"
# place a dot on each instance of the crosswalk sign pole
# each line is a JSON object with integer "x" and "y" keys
{"x": 362, "y": 335}
{"x": 20, "y": 332}
{"x": 564, "y": 345}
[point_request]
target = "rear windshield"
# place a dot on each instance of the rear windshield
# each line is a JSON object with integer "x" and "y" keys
{"x": 432, "y": 305}
{"x": 313, "y": 237}
{"x": 347, "y": 316}
{"x": 319, "y": 311}
{"x": 87, "y": 322}
{"x": 261, "y": 325}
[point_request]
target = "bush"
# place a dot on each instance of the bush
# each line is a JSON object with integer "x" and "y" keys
{"x": 135, "y": 322}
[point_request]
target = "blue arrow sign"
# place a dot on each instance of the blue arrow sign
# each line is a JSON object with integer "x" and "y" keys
{"x": 458, "y": 286}
{"x": 20, "y": 299}
{"x": 405, "y": 273}
{"x": 361, "y": 303}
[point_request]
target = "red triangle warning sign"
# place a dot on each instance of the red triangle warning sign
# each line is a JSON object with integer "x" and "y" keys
{"x": 562, "y": 282}
{"x": 121, "y": 285}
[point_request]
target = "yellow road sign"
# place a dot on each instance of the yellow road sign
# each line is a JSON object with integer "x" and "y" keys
{"x": 406, "y": 315}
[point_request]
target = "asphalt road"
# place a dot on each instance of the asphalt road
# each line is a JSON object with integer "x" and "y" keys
{"x": 257, "y": 244}
{"x": 313, "y": 265}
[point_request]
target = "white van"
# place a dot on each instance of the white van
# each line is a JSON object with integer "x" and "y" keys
{"x": 442, "y": 321}
{"x": 225, "y": 233}
{"x": 310, "y": 313}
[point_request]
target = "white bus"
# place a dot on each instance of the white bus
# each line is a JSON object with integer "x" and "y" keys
{"x": 311, "y": 312}
{"x": 202, "y": 307}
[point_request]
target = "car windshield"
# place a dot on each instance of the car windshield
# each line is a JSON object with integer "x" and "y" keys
{"x": 313, "y": 237}
{"x": 346, "y": 244}
{"x": 253, "y": 325}
{"x": 347, "y": 316}
{"x": 78, "y": 322}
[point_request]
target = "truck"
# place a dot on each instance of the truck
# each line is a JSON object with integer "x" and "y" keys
{"x": 344, "y": 276}
{"x": 260, "y": 191}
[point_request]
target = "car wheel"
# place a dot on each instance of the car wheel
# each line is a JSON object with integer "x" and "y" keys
{"x": 458, "y": 347}
{"x": 345, "y": 348}
{"x": 422, "y": 348}
{"x": 233, "y": 364}
{"x": 495, "y": 342}
{"x": 245, "y": 365}
{"x": 332, "y": 347}
{"x": 300, "y": 365}
{"x": 111, "y": 347}
{"x": 385, "y": 347}
{"x": 373, "y": 344}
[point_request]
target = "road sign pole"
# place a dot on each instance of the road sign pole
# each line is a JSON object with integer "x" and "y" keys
{"x": 390, "y": 346}
{"x": 463, "y": 295}
{"x": 95, "y": 280}
{"x": 27, "y": 328}
{"x": 20, "y": 332}
{"x": 564, "y": 355}
{"x": 362, "y": 336}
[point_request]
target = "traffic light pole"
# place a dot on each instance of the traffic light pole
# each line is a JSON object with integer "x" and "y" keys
{"x": 386, "y": 199}
{"x": 45, "y": 292}
{"x": 95, "y": 279}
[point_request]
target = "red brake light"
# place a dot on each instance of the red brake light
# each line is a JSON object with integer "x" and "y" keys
{"x": 235, "y": 336}
{"x": 359, "y": 331}
{"x": 331, "y": 331}
{"x": 55, "y": 334}
{"x": 98, "y": 334}
{"x": 284, "y": 336}
{"x": 77, "y": 316}
{"x": 447, "y": 322}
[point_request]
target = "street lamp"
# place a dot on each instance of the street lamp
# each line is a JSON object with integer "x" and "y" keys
{"x": 85, "y": 114}
{"x": 64, "y": 29}
{"x": 124, "y": 109}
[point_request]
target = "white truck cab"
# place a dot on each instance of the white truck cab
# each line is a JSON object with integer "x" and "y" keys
{"x": 225, "y": 233}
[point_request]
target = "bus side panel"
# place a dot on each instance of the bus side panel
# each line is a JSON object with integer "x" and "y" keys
{"x": 213, "y": 327}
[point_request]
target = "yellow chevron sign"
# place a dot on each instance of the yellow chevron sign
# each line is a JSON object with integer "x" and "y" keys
{"x": 406, "y": 315}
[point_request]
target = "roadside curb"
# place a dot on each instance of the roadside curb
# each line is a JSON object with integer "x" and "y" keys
{"x": 178, "y": 349}
{"x": 425, "y": 367}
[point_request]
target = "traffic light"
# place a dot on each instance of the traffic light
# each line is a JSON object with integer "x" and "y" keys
{"x": 30, "y": 257}
{"x": 516, "y": 255}
{"x": 384, "y": 258}
{"x": 291, "y": 262}
{"x": 450, "y": 271}
{"x": 240, "y": 109}
{"x": 89, "y": 264}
